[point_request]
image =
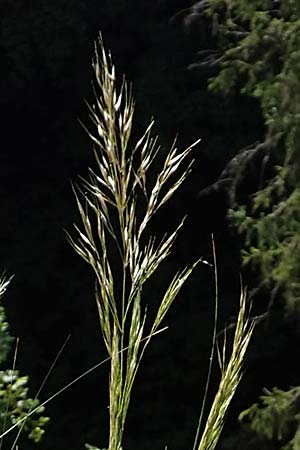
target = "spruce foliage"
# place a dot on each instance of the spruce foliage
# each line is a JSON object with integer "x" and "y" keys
{"x": 257, "y": 52}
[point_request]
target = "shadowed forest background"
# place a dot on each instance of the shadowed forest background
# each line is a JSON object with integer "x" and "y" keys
{"x": 46, "y": 50}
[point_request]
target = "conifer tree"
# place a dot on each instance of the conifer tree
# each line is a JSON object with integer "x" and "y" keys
{"x": 256, "y": 52}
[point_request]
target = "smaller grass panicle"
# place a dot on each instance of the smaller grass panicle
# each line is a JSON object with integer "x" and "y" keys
{"x": 116, "y": 205}
{"x": 231, "y": 374}
{"x": 4, "y": 283}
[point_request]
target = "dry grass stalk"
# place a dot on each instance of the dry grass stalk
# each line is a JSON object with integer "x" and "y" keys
{"x": 108, "y": 208}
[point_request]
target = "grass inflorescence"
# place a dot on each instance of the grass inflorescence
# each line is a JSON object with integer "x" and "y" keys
{"x": 116, "y": 205}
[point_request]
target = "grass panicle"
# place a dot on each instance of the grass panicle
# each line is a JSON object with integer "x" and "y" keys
{"x": 231, "y": 374}
{"x": 116, "y": 205}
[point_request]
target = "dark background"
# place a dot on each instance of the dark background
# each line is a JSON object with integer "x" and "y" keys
{"x": 46, "y": 49}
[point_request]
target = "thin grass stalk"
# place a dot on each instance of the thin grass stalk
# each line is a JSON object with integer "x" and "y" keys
{"x": 65, "y": 387}
{"x": 109, "y": 199}
{"x": 3, "y": 286}
{"x": 213, "y": 345}
{"x": 4, "y": 283}
{"x": 51, "y": 368}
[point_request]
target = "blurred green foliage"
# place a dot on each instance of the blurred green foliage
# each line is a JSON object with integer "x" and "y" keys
{"x": 258, "y": 54}
{"x": 14, "y": 401}
{"x": 272, "y": 422}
